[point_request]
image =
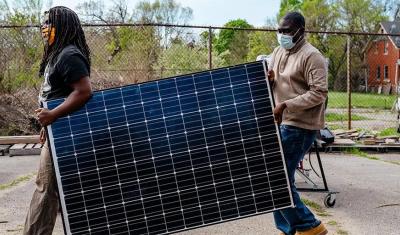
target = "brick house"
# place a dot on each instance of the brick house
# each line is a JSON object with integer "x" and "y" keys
{"x": 383, "y": 59}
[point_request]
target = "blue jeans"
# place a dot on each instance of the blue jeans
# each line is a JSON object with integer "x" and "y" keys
{"x": 295, "y": 142}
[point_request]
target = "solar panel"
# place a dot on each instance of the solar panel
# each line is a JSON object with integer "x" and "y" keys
{"x": 170, "y": 155}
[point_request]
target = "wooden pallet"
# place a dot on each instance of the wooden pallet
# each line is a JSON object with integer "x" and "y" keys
{"x": 25, "y": 149}
{"x": 4, "y": 149}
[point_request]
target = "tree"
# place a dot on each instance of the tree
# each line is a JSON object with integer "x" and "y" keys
{"x": 32, "y": 9}
{"x": 3, "y": 11}
{"x": 288, "y": 5}
{"x": 181, "y": 59}
{"x": 321, "y": 16}
{"x": 21, "y": 70}
{"x": 94, "y": 12}
{"x": 233, "y": 45}
{"x": 164, "y": 12}
{"x": 141, "y": 50}
{"x": 261, "y": 43}
{"x": 204, "y": 38}
{"x": 119, "y": 11}
{"x": 360, "y": 16}
{"x": 392, "y": 9}
{"x": 339, "y": 15}
{"x": 21, "y": 49}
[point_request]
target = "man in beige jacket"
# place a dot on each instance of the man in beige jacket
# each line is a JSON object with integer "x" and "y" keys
{"x": 298, "y": 75}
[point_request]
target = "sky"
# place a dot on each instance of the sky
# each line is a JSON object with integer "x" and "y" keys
{"x": 216, "y": 12}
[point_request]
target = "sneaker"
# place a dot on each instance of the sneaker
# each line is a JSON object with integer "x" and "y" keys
{"x": 319, "y": 230}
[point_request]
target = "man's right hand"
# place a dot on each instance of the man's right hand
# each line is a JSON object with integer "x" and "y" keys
{"x": 42, "y": 137}
{"x": 270, "y": 75}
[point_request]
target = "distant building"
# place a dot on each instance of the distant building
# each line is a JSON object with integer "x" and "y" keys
{"x": 383, "y": 58}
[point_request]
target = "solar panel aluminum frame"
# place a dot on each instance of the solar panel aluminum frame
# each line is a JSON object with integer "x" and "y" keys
{"x": 52, "y": 148}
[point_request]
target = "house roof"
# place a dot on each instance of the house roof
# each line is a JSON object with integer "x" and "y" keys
{"x": 392, "y": 27}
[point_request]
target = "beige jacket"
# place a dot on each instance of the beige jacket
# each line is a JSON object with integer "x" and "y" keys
{"x": 301, "y": 82}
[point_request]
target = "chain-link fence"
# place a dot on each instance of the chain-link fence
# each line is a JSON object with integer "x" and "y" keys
{"x": 363, "y": 69}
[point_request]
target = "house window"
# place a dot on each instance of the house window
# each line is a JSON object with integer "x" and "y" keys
{"x": 386, "y": 50}
{"x": 376, "y": 49}
{"x": 386, "y": 71}
{"x": 378, "y": 73}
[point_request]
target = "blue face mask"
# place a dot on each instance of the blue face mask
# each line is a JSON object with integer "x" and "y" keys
{"x": 286, "y": 41}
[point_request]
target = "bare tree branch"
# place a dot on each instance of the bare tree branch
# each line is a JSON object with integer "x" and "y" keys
{"x": 94, "y": 12}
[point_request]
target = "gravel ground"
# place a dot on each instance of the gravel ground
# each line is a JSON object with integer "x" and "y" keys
{"x": 368, "y": 203}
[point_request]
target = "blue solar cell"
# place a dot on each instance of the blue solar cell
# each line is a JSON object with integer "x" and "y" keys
{"x": 170, "y": 155}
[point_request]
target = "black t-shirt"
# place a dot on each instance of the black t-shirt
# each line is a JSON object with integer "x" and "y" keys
{"x": 70, "y": 66}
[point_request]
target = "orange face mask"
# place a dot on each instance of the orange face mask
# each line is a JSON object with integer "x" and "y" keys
{"x": 51, "y": 37}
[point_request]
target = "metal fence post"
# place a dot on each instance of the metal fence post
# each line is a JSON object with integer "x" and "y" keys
{"x": 210, "y": 48}
{"x": 349, "y": 81}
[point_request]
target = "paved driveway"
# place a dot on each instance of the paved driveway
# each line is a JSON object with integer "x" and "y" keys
{"x": 368, "y": 203}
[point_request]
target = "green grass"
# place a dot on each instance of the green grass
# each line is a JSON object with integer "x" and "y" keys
{"x": 337, "y": 126}
{"x": 360, "y": 100}
{"x": 332, "y": 222}
{"x": 16, "y": 181}
{"x": 359, "y": 153}
{"x": 388, "y": 132}
{"x": 393, "y": 162}
{"x": 18, "y": 229}
{"x": 342, "y": 232}
{"x": 333, "y": 117}
{"x": 316, "y": 207}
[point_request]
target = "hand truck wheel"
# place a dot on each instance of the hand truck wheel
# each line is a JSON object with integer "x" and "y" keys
{"x": 330, "y": 200}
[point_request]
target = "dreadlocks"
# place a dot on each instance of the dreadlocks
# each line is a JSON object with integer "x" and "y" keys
{"x": 68, "y": 31}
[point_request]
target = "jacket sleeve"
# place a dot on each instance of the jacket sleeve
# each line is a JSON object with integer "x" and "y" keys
{"x": 315, "y": 74}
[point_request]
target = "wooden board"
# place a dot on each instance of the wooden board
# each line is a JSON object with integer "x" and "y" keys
{"x": 343, "y": 142}
{"x": 343, "y": 132}
{"x": 4, "y": 149}
{"x": 369, "y": 141}
{"x": 395, "y": 137}
{"x": 355, "y": 134}
{"x": 29, "y": 146}
{"x": 18, "y": 146}
{"x": 38, "y": 146}
{"x": 29, "y": 139}
{"x": 24, "y": 149}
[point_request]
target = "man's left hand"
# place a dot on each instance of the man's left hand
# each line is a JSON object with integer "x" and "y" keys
{"x": 45, "y": 116}
{"x": 278, "y": 112}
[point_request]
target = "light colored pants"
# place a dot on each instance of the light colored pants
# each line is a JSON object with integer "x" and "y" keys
{"x": 43, "y": 209}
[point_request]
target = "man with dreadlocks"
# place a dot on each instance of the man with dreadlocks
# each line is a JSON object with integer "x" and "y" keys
{"x": 66, "y": 68}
